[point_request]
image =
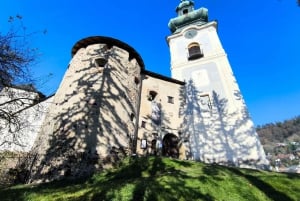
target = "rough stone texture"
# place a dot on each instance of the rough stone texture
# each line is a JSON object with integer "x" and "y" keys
{"x": 93, "y": 114}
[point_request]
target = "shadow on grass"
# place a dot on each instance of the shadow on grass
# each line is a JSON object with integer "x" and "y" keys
{"x": 152, "y": 179}
{"x": 156, "y": 178}
{"x": 264, "y": 187}
{"x": 20, "y": 193}
{"x": 292, "y": 175}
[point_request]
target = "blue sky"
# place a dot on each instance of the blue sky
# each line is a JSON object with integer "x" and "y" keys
{"x": 261, "y": 39}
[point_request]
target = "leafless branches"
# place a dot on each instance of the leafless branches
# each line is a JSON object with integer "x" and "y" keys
{"x": 15, "y": 54}
{"x": 16, "y": 58}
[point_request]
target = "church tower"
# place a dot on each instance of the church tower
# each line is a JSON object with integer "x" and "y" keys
{"x": 215, "y": 117}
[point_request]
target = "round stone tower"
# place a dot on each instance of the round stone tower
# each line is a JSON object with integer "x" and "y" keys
{"x": 93, "y": 117}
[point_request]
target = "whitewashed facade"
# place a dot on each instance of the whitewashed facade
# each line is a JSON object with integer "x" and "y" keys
{"x": 20, "y": 134}
{"x": 109, "y": 105}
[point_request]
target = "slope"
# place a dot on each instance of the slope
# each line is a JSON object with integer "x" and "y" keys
{"x": 158, "y": 179}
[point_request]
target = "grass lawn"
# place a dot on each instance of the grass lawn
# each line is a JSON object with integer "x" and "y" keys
{"x": 158, "y": 179}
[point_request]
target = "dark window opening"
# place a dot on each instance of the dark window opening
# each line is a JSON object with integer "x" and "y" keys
{"x": 194, "y": 51}
{"x": 170, "y": 99}
{"x": 100, "y": 62}
{"x": 185, "y": 11}
{"x": 153, "y": 147}
{"x": 152, "y": 95}
{"x": 132, "y": 117}
{"x": 136, "y": 80}
{"x": 143, "y": 124}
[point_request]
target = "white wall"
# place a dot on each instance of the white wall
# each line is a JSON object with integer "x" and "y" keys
{"x": 21, "y": 139}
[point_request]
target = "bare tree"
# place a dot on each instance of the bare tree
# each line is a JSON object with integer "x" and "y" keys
{"x": 15, "y": 54}
{"x": 16, "y": 57}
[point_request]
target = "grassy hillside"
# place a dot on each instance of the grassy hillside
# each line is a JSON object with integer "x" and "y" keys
{"x": 165, "y": 179}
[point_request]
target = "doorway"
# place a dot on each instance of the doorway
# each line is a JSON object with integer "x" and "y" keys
{"x": 170, "y": 146}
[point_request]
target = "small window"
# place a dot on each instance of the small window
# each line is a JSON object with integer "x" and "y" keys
{"x": 171, "y": 99}
{"x": 185, "y": 11}
{"x": 194, "y": 51}
{"x": 100, "y": 62}
{"x": 74, "y": 126}
{"x": 132, "y": 117}
{"x": 143, "y": 124}
{"x": 136, "y": 80}
{"x": 151, "y": 96}
{"x": 205, "y": 102}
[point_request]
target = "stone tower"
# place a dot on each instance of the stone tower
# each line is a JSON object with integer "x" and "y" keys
{"x": 94, "y": 111}
{"x": 216, "y": 119}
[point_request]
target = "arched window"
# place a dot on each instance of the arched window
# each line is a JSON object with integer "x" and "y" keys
{"x": 194, "y": 51}
{"x": 185, "y": 11}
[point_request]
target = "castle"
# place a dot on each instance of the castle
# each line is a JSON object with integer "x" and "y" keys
{"x": 108, "y": 104}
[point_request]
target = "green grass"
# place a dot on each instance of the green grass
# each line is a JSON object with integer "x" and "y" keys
{"x": 158, "y": 179}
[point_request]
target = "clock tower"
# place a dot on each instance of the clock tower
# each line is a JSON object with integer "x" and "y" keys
{"x": 216, "y": 124}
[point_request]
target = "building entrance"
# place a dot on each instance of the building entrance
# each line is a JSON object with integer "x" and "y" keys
{"x": 170, "y": 146}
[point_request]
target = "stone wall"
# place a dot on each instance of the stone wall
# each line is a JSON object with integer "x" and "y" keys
{"x": 93, "y": 115}
{"x": 161, "y": 98}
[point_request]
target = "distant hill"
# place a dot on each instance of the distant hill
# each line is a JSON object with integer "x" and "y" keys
{"x": 281, "y": 140}
{"x": 164, "y": 179}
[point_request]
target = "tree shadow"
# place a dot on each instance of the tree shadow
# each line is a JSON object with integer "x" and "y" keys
{"x": 92, "y": 120}
{"x": 151, "y": 186}
{"x": 156, "y": 115}
{"x": 218, "y": 132}
{"x": 267, "y": 189}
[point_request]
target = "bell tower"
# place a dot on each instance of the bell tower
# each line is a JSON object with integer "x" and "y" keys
{"x": 215, "y": 117}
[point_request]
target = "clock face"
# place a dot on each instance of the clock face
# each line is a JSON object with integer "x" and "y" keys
{"x": 190, "y": 33}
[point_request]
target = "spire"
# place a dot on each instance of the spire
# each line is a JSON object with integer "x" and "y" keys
{"x": 186, "y": 15}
